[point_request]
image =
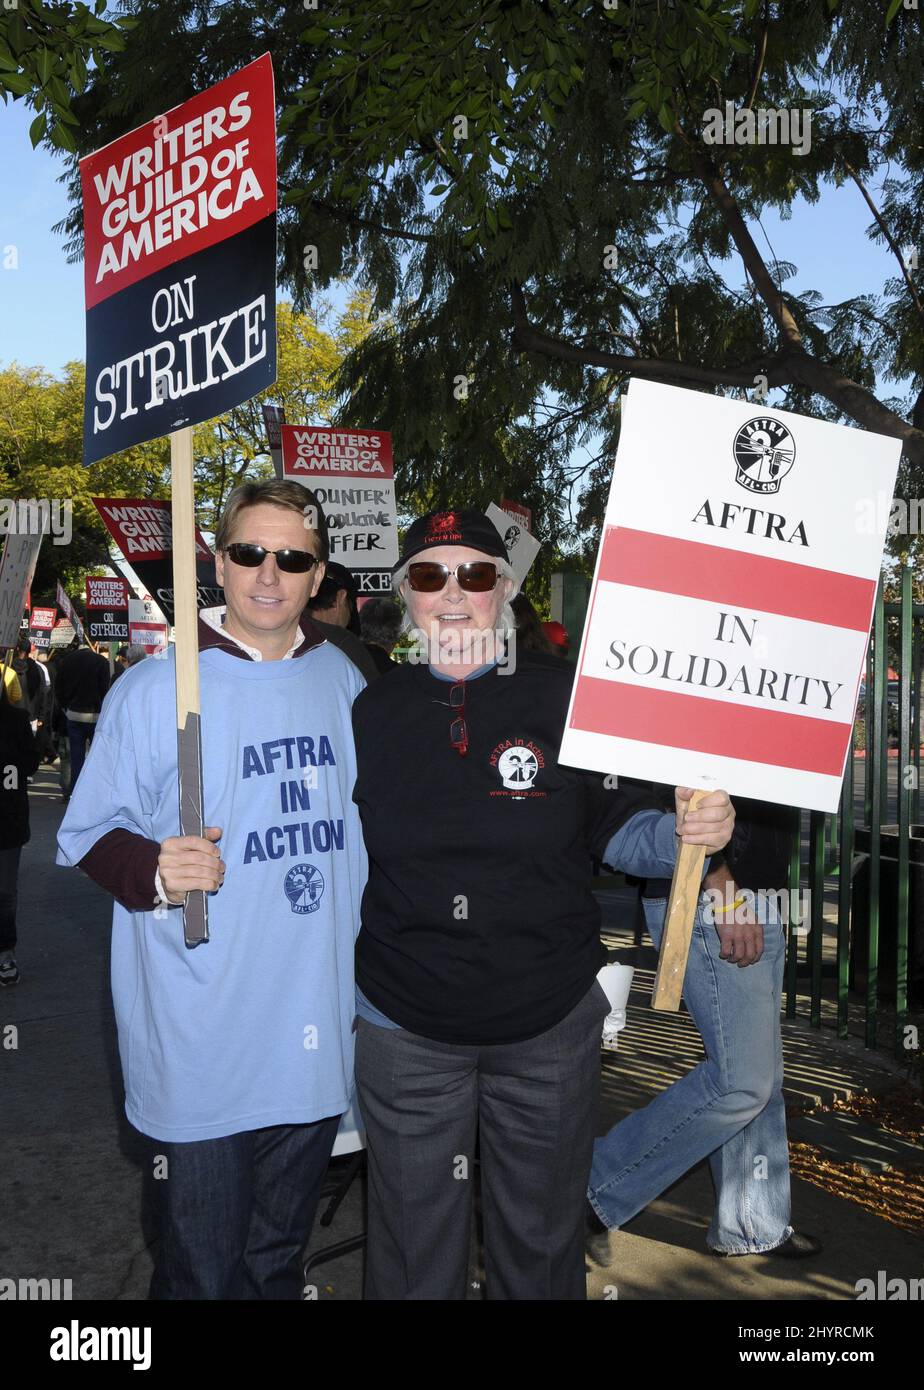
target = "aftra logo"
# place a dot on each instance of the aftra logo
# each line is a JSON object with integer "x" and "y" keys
{"x": 764, "y": 453}
{"x": 304, "y": 887}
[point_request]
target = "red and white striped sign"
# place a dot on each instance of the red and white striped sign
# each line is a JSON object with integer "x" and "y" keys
{"x": 732, "y": 598}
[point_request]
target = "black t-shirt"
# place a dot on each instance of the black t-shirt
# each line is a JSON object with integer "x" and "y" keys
{"x": 478, "y": 921}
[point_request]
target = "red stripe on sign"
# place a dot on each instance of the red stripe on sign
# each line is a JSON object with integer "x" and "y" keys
{"x": 649, "y": 561}
{"x": 709, "y": 726}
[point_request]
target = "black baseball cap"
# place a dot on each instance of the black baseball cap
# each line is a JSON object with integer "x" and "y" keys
{"x": 461, "y": 526}
{"x": 341, "y": 577}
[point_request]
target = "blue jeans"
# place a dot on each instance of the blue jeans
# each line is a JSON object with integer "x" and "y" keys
{"x": 235, "y": 1214}
{"x": 79, "y": 737}
{"x": 730, "y": 1107}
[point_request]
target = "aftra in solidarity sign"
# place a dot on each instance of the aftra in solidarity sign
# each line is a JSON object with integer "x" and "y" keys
{"x": 180, "y": 230}
{"x": 732, "y": 599}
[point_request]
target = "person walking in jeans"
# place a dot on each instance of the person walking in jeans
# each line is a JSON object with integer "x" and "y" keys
{"x": 729, "y": 1108}
{"x": 80, "y": 689}
{"x": 19, "y": 758}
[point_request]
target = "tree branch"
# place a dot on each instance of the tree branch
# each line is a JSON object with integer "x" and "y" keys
{"x": 344, "y": 215}
{"x": 761, "y": 57}
{"x": 887, "y": 234}
{"x": 528, "y": 338}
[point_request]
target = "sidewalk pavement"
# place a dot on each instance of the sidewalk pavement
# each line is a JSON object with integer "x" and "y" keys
{"x": 73, "y": 1166}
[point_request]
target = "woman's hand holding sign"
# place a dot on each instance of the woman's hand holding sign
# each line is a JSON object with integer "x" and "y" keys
{"x": 188, "y": 863}
{"x": 711, "y": 822}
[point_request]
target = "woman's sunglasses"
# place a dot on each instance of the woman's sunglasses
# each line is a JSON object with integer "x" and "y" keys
{"x": 476, "y": 576}
{"x": 289, "y": 561}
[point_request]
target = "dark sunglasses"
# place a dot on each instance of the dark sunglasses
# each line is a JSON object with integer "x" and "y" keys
{"x": 289, "y": 561}
{"x": 475, "y": 576}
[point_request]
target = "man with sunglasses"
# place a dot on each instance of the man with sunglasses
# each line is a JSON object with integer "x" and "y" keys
{"x": 237, "y": 1056}
{"x": 478, "y": 1009}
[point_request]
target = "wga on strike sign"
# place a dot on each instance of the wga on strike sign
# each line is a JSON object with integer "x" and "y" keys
{"x": 352, "y": 474}
{"x": 143, "y": 531}
{"x": 180, "y": 250}
{"x": 732, "y": 598}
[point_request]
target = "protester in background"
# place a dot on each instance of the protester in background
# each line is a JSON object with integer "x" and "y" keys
{"x": 237, "y": 1056}
{"x": 11, "y": 683}
{"x": 335, "y": 601}
{"x": 19, "y": 759}
{"x": 80, "y": 688}
{"x": 729, "y": 1108}
{"x": 129, "y": 656}
{"x": 478, "y": 1007}
{"x": 380, "y": 624}
{"x": 557, "y": 634}
{"x": 58, "y": 727}
{"x": 530, "y": 636}
{"x": 46, "y": 738}
{"x": 334, "y": 611}
{"x": 120, "y": 664}
{"x": 31, "y": 683}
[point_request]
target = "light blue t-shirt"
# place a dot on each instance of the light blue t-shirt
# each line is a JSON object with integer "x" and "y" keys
{"x": 254, "y": 1027}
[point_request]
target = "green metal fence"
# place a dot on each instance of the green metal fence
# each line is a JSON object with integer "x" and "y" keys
{"x": 861, "y": 900}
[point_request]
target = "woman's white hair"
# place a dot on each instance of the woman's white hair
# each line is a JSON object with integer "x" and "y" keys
{"x": 506, "y": 619}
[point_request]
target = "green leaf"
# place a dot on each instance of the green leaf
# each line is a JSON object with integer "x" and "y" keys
{"x": 893, "y": 10}
{"x": 16, "y": 82}
{"x": 440, "y": 189}
{"x": 397, "y": 60}
{"x": 315, "y": 35}
{"x": 60, "y": 135}
{"x": 666, "y": 118}
{"x": 112, "y": 40}
{"x": 44, "y": 64}
{"x": 37, "y": 128}
{"x": 470, "y": 237}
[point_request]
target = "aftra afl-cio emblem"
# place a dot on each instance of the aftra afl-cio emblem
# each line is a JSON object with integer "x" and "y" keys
{"x": 764, "y": 453}
{"x": 304, "y": 886}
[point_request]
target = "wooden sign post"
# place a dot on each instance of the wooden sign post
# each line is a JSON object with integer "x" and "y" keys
{"x": 678, "y": 925}
{"x": 188, "y": 712}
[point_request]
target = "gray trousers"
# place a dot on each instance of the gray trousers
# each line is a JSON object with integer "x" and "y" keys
{"x": 534, "y": 1107}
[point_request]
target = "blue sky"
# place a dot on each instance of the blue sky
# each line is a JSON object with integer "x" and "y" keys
{"x": 41, "y": 302}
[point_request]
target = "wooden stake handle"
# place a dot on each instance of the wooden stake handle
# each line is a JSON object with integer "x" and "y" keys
{"x": 186, "y": 622}
{"x": 678, "y": 925}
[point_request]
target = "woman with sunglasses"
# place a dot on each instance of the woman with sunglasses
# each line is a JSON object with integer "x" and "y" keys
{"x": 479, "y": 1014}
